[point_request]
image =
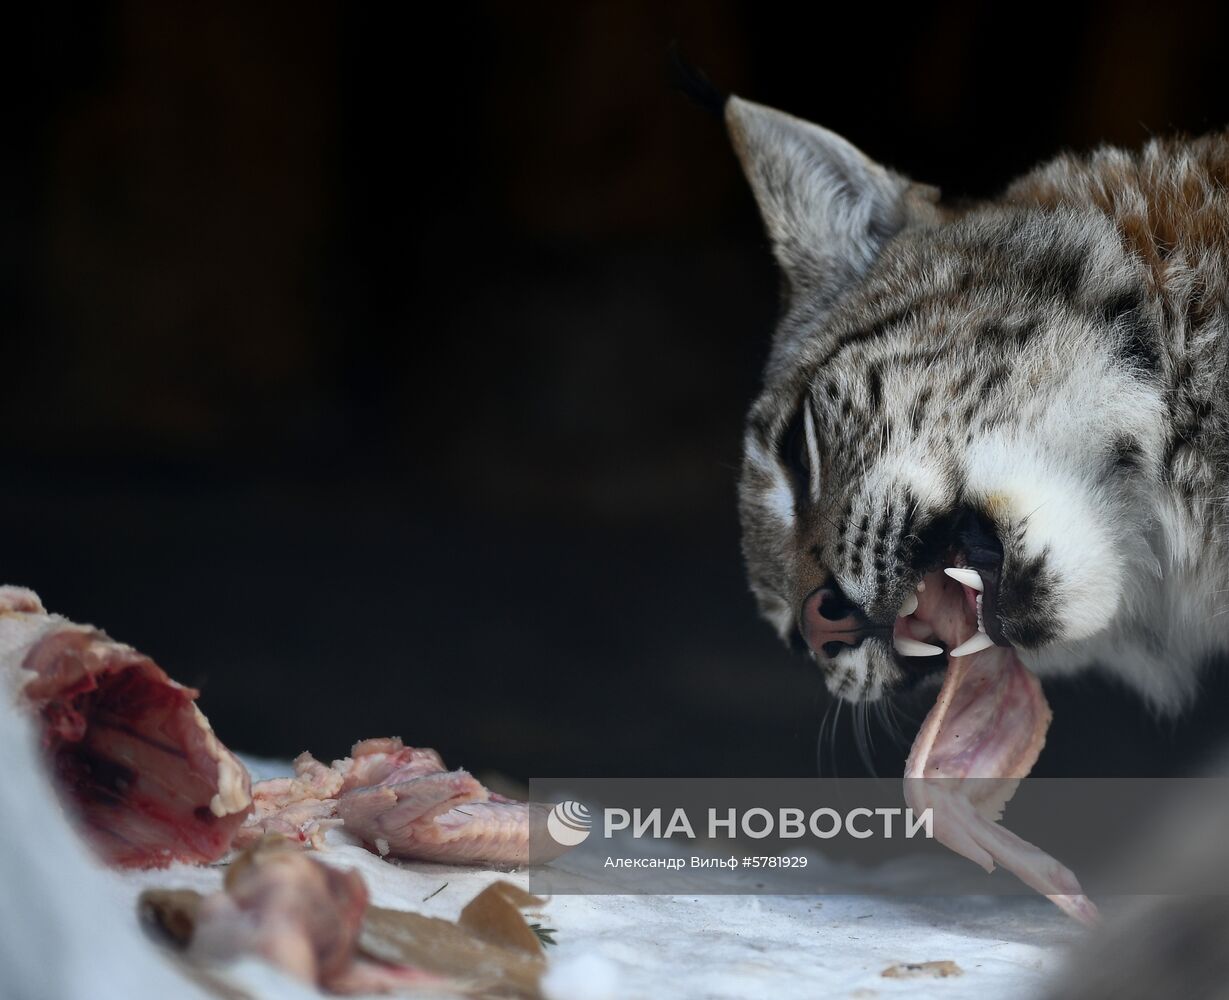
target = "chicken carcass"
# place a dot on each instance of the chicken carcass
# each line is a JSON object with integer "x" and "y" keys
{"x": 400, "y": 801}
{"x": 133, "y": 756}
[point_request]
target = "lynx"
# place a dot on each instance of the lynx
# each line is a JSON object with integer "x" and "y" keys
{"x": 1031, "y": 387}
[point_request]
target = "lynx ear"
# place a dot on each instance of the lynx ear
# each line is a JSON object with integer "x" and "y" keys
{"x": 828, "y": 208}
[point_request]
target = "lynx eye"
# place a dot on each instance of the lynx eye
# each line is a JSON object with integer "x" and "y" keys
{"x": 799, "y": 453}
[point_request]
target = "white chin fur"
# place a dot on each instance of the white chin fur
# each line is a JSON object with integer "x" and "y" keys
{"x": 1064, "y": 519}
{"x": 848, "y": 678}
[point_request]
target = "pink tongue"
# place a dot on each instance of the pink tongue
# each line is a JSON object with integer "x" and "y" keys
{"x": 989, "y": 722}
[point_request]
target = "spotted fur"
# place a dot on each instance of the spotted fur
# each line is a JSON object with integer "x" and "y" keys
{"x": 1054, "y": 360}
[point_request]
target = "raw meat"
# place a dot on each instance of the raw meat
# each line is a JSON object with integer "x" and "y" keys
{"x": 982, "y": 736}
{"x": 313, "y": 921}
{"x": 298, "y": 914}
{"x": 302, "y": 808}
{"x": 133, "y": 755}
{"x": 295, "y": 912}
{"x": 400, "y": 801}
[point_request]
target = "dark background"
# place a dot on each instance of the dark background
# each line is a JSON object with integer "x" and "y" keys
{"x": 381, "y": 370}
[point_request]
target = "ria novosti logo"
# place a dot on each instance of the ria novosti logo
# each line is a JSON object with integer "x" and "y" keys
{"x": 569, "y": 823}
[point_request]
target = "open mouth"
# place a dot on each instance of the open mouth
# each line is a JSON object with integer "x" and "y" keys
{"x": 952, "y": 613}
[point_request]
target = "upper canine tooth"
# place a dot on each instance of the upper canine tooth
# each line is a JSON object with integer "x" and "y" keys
{"x": 969, "y": 577}
{"x": 909, "y": 606}
{"x": 976, "y": 644}
{"x": 912, "y": 647}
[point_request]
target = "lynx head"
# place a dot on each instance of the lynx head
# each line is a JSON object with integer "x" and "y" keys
{"x": 945, "y": 388}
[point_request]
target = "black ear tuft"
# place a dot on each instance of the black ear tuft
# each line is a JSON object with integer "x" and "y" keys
{"x": 692, "y": 82}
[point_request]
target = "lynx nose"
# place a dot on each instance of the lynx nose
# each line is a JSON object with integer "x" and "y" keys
{"x": 829, "y": 621}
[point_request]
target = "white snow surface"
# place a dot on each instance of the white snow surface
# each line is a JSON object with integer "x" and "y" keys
{"x": 779, "y": 947}
{"x": 659, "y": 947}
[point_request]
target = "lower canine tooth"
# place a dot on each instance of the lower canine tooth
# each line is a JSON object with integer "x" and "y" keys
{"x": 976, "y": 644}
{"x": 908, "y": 607}
{"x": 913, "y": 647}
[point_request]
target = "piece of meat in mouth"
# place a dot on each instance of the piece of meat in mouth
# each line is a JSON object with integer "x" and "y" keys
{"x": 989, "y": 721}
{"x": 982, "y": 736}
